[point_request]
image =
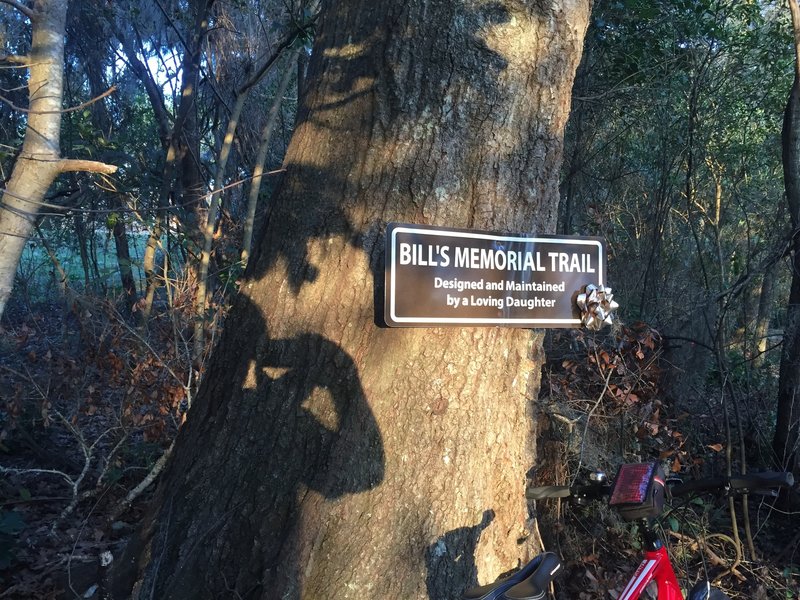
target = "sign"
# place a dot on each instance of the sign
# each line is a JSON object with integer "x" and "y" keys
{"x": 442, "y": 276}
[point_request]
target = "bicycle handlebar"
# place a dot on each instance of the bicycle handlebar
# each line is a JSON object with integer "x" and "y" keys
{"x": 548, "y": 491}
{"x": 750, "y": 482}
{"x": 587, "y": 492}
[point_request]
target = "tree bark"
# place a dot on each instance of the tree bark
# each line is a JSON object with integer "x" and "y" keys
{"x": 327, "y": 457}
{"x": 35, "y": 168}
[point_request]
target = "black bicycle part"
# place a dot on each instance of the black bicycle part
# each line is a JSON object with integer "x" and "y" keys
{"x": 529, "y": 583}
{"x": 578, "y": 494}
{"x": 702, "y": 590}
{"x": 751, "y": 482}
{"x": 535, "y": 586}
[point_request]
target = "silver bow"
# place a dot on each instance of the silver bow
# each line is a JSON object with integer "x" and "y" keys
{"x": 596, "y": 303}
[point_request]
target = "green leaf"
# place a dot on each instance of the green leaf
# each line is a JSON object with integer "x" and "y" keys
{"x": 24, "y": 494}
{"x": 673, "y": 524}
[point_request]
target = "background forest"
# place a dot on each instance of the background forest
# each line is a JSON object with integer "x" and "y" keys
{"x": 674, "y": 156}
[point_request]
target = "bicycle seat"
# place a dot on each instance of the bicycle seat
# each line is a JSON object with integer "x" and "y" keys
{"x": 529, "y": 583}
{"x": 535, "y": 586}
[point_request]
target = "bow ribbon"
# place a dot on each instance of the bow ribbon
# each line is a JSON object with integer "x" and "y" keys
{"x": 596, "y": 303}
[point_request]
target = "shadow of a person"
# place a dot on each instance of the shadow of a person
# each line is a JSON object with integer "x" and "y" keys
{"x": 284, "y": 417}
{"x": 450, "y": 560}
{"x": 328, "y": 440}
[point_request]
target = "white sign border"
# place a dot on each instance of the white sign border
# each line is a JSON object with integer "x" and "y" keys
{"x": 484, "y": 236}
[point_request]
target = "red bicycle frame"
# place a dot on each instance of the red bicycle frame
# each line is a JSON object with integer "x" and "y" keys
{"x": 655, "y": 567}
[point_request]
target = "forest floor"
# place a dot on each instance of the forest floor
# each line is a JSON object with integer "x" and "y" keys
{"x": 88, "y": 407}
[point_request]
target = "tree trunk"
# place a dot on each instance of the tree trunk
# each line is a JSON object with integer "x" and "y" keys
{"x": 261, "y": 160}
{"x": 190, "y": 191}
{"x": 327, "y": 457}
{"x": 787, "y": 421}
{"x": 203, "y": 287}
{"x": 92, "y": 37}
{"x": 39, "y": 162}
{"x": 181, "y": 178}
{"x": 36, "y": 167}
{"x": 766, "y": 299}
{"x": 83, "y": 249}
{"x": 123, "y": 254}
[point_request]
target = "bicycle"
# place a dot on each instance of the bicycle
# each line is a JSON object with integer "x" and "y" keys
{"x": 637, "y": 493}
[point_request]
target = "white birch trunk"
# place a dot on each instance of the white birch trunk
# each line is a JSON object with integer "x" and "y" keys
{"x": 40, "y": 161}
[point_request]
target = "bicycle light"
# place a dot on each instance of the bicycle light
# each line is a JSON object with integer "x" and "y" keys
{"x": 638, "y": 491}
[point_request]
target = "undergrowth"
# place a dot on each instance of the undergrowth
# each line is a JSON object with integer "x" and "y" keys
{"x": 605, "y": 401}
{"x": 91, "y": 403}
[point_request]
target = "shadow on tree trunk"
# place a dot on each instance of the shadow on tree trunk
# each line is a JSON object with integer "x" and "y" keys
{"x": 450, "y": 560}
{"x": 297, "y": 407}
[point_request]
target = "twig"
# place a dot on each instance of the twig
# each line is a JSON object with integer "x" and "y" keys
{"x": 147, "y": 345}
{"x": 30, "y": 379}
{"x": 71, "y": 109}
{"x": 75, "y": 544}
{"x": 87, "y": 461}
{"x": 13, "y": 471}
{"x": 14, "y": 590}
{"x": 108, "y": 458}
{"x": 589, "y": 417}
{"x": 74, "y": 483}
{"x": 716, "y": 559}
{"x": 19, "y": 60}
{"x": 143, "y": 485}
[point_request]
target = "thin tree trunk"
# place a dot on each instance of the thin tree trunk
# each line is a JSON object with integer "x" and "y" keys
{"x": 765, "y": 302}
{"x": 326, "y": 457}
{"x": 181, "y": 177}
{"x": 216, "y": 200}
{"x": 260, "y": 162}
{"x": 39, "y": 161}
{"x": 123, "y": 255}
{"x": 151, "y": 275}
{"x": 785, "y": 441}
{"x": 190, "y": 191}
{"x": 93, "y": 38}
{"x": 302, "y": 67}
{"x": 208, "y": 231}
{"x": 80, "y": 233}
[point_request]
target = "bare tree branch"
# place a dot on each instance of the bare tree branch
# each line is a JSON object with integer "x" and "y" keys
{"x": 28, "y": 12}
{"x": 19, "y": 60}
{"x": 108, "y": 92}
{"x": 125, "y": 504}
{"x": 90, "y": 166}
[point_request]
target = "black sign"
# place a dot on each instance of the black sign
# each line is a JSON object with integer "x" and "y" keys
{"x": 441, "y": 276}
